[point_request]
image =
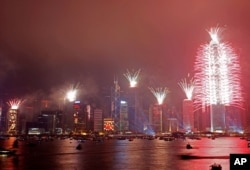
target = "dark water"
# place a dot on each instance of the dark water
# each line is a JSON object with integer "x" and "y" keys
{"x": 121, "y": 154}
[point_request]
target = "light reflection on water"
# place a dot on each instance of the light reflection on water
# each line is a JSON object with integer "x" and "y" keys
{"x": 121, "y": 154}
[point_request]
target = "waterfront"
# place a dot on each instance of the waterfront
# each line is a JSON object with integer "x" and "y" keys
{"x": 121, "y": 154}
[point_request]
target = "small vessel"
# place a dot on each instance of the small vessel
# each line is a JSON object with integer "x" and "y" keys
{"x": 15, "y": 144}
{"x": 121, "y": 138}
{"x": 3, "y": 137}
{"x": 188, "y": 156}
{"x": 188, "y": 146}
{"x": 79, "y": 147}
{"x": 130, "y": 139}
{"x": 151, "y": 137}
{"x": 215, "y": 167}
{"x": 7, "y": 151}
{"x": 169, "y": 138}
{"x": 31, "y": 144}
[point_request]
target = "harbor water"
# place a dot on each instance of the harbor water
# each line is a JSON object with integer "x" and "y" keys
{"x": 114, "y": 154}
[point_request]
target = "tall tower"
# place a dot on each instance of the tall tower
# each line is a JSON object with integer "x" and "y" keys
{"x": 133, "y": 114}
{"x": 187, "y": 105}
{"x": 217, "y": 75}
{"x": 160, "y": 95}
{"x": 188, "y": 115}
{"x": 124, "y": 123}
{"x": 12, "y": 122}
{"x": 12, "y": 116}
{"x": 115, "y": 104}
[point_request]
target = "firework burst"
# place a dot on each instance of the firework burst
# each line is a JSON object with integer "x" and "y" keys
{"x": 217, "y": 73}
{"x": 132, "y": 77}
{"x": 187, "y": 87}
{"x": 71, "y": 95}
{"x": 14, "y": 103}
{"x": 159, "y": 93}
{"x": 71, "y": 92}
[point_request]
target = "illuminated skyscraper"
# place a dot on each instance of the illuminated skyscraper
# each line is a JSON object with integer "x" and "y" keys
{"x": 188, "y": 115}
{"x": 115, "y": 104}
{"x": 98, "y": 120}
{"x": 217, "y": 76}
{"x": 133, "y": 103}
{"x": 12, "y": 116}
{"x": 124, "y": 123}
{"x": 187, "y": 105}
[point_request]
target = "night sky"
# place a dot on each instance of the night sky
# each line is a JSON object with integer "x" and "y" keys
{"x": 44, "y": 44}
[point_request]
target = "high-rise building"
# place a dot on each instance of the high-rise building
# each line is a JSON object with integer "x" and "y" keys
{"x": 124, "y": 123}
{"x": 98, "y": 120}
{"x": 188, "y": 115}
{"x": 108, "y": 125}
{"x": 115, "y": 104}
{"x": 12, "y": 121}
{"x": 155, "y": 118}
{"x": 217, "y": 75}
{"x": 49, "y": 120}
{"x": 187, "y": 105}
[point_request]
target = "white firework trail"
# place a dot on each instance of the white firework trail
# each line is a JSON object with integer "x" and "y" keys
{"x": 159, "y": 93}
{"x": 14, "y": 103}
{"x": 132, "y": 77}
{"x": 187, "y": 87}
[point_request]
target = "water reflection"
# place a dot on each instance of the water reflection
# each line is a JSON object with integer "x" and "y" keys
{"x": 121, "y": 154}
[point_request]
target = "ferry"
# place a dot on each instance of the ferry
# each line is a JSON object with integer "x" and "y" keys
{"x": 7, "y": 151}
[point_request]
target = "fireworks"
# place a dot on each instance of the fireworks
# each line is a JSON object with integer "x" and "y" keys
{"x": 159, "y": 93}
{"x": 187, "y": 87}
{"x": 14, "y": 103}
{"x": 71, "y": 93}
{"x": 217, "y": 73}
{"x": 132, "y": 77}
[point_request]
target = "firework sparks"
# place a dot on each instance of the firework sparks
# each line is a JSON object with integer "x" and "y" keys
{"x": 14, "y": 103}
{"x": 159, "y": 93}
{"x": 187, "y": 87}
{"x": 72, "y": 92}
{"x": 71, "y": 95}
{"x": 132, "y": 77}
{"x": 217, "y": 73}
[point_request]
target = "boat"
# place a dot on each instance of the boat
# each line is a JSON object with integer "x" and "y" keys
{"x": 15, "y": 144}
{"x": 130, "y": 139}
{"x": 7, "y": 151}
{"x": 215, "y": 167}
{"x": 3, "y": 137}
{"x": 187, "y": 156}
{"x": 121, "y": 138}
{"x": 150, "y": 137}
{"x": 79, "y": 147}
{"x": 169, "y": 138}
{"x": 31, "y": 144}
{"x": 188, "y": 146}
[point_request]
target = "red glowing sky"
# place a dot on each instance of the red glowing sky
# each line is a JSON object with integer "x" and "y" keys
{"x": 45, "y": 43}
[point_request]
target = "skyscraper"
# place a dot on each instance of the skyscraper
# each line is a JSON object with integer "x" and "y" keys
{"x": 217, "y": 78}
